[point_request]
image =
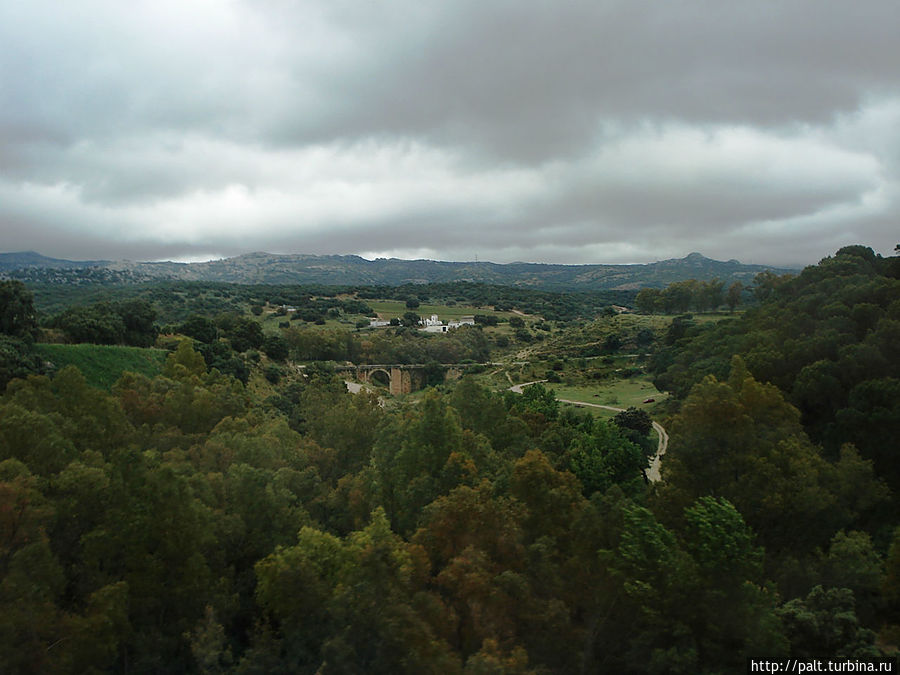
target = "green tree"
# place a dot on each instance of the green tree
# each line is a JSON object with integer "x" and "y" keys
{"x": 606, "y": 457}
{"x": 733, "y": 297}
{"x": 276, "y": 347}
{"x": 184, "y": 362}
{"x": 138, "y": 317}
{"x": 634, "y": 419}
{"x": 411, "y": 319}
{"x": 241, "y": 331}
{"x": 679, "y": 585}
{"x": 649, "y": 300}
{"x": 537, "y": 398}
{"x": 17, "y": 360}
{"x": 98, "y": 324}
{"x": 741, "y": 440}
{"x": 418, "y": 458}
{"x": 200, "y": 328}
{"x": 824, "y": 624}
{"x": 17, "y": 316}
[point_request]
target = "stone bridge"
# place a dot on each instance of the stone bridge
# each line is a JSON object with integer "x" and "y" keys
{"x": 403, "y": 378}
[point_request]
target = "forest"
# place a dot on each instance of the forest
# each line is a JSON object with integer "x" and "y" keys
{"x": 236, "y": 513}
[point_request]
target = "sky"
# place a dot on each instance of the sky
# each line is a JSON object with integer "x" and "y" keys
{"x": 530, "y": 130}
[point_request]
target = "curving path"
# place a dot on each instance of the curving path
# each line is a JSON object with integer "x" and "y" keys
{"x": 653, "y": 470}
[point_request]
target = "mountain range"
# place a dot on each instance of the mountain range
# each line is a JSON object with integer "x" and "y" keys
{"x": 267, "y": 268}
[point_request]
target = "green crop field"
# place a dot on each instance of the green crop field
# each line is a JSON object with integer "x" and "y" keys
{"x": 102, "y": 365}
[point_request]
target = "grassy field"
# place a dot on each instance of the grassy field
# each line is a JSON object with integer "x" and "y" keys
{"x": 619, "y": 393}
{"x": 102, "y": 365}
{"x": 389, "y": 309}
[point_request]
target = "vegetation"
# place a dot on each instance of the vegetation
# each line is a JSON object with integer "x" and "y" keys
{"x": 270, "y": 269}
{"x": 215, "y": 509}
{"x": 829, "y": 339}
{"x": 102, "y": 365}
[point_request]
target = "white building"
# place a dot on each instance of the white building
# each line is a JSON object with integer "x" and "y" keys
{"x": 435, "y": 325}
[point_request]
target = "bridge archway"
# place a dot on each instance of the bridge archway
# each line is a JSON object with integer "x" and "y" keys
{"x": 380, "y": 377}
{"x": 401, "y": 378}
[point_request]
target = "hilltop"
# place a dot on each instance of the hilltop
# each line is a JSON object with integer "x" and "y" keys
{"x": 267, "y": 268}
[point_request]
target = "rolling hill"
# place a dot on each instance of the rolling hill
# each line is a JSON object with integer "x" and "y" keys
{"x": 266, "y": 268}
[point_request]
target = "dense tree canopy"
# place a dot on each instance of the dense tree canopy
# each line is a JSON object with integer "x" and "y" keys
{"x": 195, "y": 522}
{"x": 829, "y": 339}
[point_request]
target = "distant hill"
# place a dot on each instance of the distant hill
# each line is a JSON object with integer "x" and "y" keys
{"x": 31, "y": 260}
{"x": 266, "y": 268}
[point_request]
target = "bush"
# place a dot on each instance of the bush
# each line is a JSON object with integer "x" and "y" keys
{"x": 276, "y": 347}
{"x": 16, "y": 360}
{"x": 273, "y": 373}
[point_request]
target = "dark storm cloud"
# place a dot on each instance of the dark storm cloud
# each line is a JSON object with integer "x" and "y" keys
{"x": 560, "y": 131}
{"x": 532, "y": 80}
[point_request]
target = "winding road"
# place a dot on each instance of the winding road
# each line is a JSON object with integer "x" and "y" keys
{"x": 653, "y": 470}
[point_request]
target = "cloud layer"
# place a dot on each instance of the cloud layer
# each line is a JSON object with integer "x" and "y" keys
{"x": 574, "y": 132}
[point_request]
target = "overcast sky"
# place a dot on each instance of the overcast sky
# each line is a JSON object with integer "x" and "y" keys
{"x": 546, "y": 131}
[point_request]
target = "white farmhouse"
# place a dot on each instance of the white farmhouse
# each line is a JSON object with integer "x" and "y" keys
{"x": 435, "y": 325}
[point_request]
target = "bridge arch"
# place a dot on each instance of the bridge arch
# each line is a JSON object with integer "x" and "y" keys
{"x": 368, "y": 376}
{"x": 402, "y": 378}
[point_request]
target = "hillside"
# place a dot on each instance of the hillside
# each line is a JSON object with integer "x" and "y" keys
{"x": 266, "y": 268}
{"x": 31, "y": 260}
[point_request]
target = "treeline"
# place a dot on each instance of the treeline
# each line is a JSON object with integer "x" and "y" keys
{"x": 303, "y": 344}
{"x": 680, "y": 296}
{"x": 554, "y": 306}
{"x": 175, "y": 301}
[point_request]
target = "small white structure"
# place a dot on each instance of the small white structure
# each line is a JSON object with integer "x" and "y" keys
{"x": 435, "y": 325}
{"x": 378, "y": 323}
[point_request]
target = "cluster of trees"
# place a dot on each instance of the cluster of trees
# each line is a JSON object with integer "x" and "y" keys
{"x": 828, "y": 338}
{"x": 401, "y": 345}
{"x": 229, "y": 343}
{"x": 130, "y": 322}
{"x": 681, "y": 296}
{"x": 175, "y": 524}
{"x": 18, "y": 328}
{"x": 554, "y": 306}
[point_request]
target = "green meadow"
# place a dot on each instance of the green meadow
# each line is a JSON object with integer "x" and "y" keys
{"x": 102, "y": 365}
